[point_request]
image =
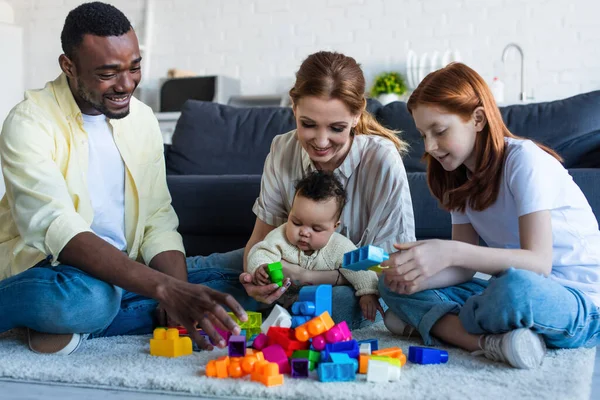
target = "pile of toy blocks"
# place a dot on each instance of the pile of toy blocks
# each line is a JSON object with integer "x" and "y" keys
{"x": 307, "y": 339}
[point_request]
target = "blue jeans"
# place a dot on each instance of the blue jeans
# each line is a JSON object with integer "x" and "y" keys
{"x": 565, "y": 317}
{"x": 64, "y": 299}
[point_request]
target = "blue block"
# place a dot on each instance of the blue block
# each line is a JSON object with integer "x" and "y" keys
{"x": 373, "y": 342}
{"x": 350, "y": 347}
{"x": 364, "y": 258}
{"x": 427, "y": 355}
{"x": 298, "y": 320}
{"x": 343, "y": 358}
{"x": 331, "y": 372}
{"x": 313, "y": 301}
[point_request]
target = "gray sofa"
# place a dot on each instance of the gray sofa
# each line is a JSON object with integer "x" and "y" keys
{"x": 216, "y": 158}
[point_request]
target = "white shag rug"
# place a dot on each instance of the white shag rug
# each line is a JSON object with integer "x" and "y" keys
{"x": 124, "y": 362}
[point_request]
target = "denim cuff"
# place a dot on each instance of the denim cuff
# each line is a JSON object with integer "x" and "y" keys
{"x": 432, "y": 316}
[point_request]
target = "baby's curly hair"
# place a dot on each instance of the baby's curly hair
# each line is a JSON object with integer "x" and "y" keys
{"x": 322, "y": 186}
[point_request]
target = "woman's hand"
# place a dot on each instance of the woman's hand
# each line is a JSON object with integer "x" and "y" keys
{"x": 267, "y": 294}
{"x": 410, "y": 267}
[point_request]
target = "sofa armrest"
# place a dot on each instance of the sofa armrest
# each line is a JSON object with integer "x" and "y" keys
{"x": 588, "y": 180}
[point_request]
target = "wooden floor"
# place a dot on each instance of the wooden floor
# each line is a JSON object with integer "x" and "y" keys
{"x": 30, "y": 391}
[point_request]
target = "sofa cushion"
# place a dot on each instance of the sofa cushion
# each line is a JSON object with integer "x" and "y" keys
{"x": 395, "y": 116}
{"x": 216, "y": 139}
{"x": 570, "y": 126}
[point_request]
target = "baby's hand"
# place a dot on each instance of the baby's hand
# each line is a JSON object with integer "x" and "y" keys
{"x": 261, "y": 276}
{"x": 369, "y": 304}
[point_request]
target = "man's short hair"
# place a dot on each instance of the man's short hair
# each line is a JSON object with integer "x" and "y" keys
{"x": 322, "y": 186}
{"x": 96, "y": 18}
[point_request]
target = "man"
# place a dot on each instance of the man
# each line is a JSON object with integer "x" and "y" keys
{"x": 88, "y": 239}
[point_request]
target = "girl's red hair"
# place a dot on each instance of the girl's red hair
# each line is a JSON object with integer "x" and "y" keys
{"x": 459, "y": 90}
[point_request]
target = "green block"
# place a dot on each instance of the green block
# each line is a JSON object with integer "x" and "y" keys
{"x": 389, "y": 360}
{"x": 310, "y": 355}
{"x": 254, "y": 320}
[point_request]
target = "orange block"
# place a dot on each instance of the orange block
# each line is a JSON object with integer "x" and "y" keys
{"x": 267, "y": 373}
{"x": 314, "y": 327}
{"x": 394, "y": 352}
{"x": 363, "y": 363}
{"x": 218, "y": 368}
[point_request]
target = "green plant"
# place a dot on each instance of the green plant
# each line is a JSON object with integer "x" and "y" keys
{"x": 388, "y": 82}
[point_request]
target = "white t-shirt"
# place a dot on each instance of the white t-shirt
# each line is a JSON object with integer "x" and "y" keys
{"x": 532, "y": 181}
{"x": 106, "y": 181}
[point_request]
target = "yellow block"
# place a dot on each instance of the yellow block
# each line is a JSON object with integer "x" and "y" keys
{"x": 167, "y": 343}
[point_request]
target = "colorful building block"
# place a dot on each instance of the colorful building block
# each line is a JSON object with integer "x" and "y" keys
{"x": 343, "y": 358}
{"x": 267, "y": 373}
{"x": 298, "y": 320}
{"x": 373, "y": 342}
{"x": 286, "y": 338}
{"x": 339, "y": 333}
{"x": 254, "y": 321}
{"x": 276, "y": 354}
{"x": 350, "y": 347}
{"x": 314, "y": 327}
{"x": 365, "y": 348}
{"x": 279, "y": 317}
{"x": 393, "y": 352}
{"x": 300, "y": 368}
{"x": 167, "y": 343}
{"x": 218, "y": 368}
{"x": 313, "y": 301}
{"x": 427, "y": 355}
{"x": 332, "y": 372}
{"x": 275, "y": 271}
{"x": 364, "y": 258}
{"x": 237, "y": 346}
{"x": 260, "y": 342}
{"x": 313, "y": 357}
{"x": 380, "y": 372}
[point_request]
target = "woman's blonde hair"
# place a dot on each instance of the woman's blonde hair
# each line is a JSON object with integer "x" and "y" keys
{"x": 332, "y": 75}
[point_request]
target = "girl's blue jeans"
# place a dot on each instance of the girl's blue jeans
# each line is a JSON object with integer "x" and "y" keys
{"x": 565, "y": 317}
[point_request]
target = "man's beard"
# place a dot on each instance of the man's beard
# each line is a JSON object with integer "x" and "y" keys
{"x": 87, "y": 96}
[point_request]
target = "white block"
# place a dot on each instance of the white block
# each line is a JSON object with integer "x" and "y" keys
{"x": 365, "y": 348}
{"x": 381, "y": 371}
{"x": 279, "y": 317}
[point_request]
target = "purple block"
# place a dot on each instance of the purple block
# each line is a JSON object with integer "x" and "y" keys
{"x": 300, "y": 368}
{"x": 427, "y": 355}
{"x": 237, "y": 346}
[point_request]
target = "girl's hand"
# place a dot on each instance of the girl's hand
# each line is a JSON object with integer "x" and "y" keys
{"x": 369, "y": 304}
{"x": 415, "y": 263}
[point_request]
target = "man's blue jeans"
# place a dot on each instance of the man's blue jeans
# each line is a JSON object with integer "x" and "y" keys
{"x": 64, "y": 299}
{"x": 565, "y": 317}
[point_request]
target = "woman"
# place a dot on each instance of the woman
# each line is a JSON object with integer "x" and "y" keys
{"x": 335, "y": 133}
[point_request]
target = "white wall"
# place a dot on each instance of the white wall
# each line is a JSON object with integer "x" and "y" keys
{"x": 262, "y": 42}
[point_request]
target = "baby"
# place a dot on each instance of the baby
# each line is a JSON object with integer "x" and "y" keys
{"x": 308, "y": 239}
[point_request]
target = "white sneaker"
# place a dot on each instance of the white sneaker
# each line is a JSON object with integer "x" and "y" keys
{"x": 50, "y": 343}
{"x": 397, "y": 326}
{"x": 521, "y": 348}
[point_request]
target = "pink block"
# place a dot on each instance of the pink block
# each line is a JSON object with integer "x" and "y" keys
{"x": 318, "y": 342}
{"x": 260, "y": 342}
{"x": 225, "y": 334}
{"x": 339, "y": 333}
{"x": 276, "y": 354}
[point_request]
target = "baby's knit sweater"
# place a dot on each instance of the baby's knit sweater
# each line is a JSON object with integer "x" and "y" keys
{"x": 275, "y": 247}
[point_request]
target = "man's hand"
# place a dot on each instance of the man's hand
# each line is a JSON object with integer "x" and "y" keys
{"x": 369, "y": 304}
{"x": 190, "y": 304}
{"x": 265, "y": 294}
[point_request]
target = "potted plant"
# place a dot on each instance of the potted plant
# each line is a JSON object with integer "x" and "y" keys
{"x": 388, "y": 87}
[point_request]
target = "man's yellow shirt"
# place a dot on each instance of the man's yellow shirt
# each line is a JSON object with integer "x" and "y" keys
{"x": 44, "y": 152}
